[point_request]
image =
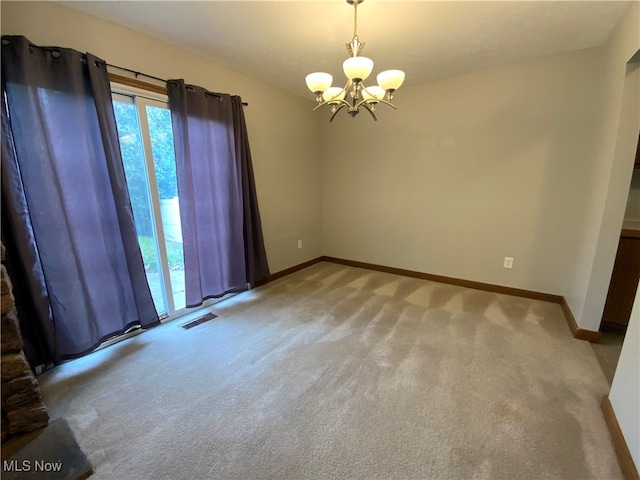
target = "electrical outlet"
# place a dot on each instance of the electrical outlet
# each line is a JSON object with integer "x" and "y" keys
{"x": 508, "y": 262}
{"x": 299, "y": 243}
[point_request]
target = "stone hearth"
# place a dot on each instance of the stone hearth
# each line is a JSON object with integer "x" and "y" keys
{"x": 22, "y": 407}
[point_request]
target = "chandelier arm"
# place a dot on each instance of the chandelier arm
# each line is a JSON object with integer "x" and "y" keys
{"x": 375, "y": 119}
{"x": 364, "y": 103}
{"x": 332, "y": 102}
{"x": 336, "y": 112}
{"x": 322, "y": 104}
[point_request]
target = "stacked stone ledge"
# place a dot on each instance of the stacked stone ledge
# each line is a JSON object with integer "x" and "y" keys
{"x": 22, "y": 407}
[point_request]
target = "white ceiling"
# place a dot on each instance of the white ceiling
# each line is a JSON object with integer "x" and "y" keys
{"x": 280, "y": 42}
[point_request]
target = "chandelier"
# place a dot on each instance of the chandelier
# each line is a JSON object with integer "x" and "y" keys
{"x": 355, "y": 94}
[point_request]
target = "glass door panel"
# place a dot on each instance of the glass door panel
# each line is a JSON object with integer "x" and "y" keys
{"x": 146, "y": 141}
{"x": 158, "y": 118}
{"x": 133, "y": 157}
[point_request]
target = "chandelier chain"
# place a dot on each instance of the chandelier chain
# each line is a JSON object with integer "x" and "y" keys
{"x": 355, "y": 18}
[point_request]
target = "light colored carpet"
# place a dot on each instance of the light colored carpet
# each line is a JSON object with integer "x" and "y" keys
{"x": 338, "y": 372}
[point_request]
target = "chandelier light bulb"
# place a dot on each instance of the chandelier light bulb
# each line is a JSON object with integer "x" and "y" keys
{"x": 357, "y": 69}
{"x": 318, "y": 82}
{"x": 390, "y": 79}
{"x": 373, "y": 94}
{"x": 334, "y": 95}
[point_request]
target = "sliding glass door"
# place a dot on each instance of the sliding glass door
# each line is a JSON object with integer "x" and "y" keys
{"x": 146, "y": 141}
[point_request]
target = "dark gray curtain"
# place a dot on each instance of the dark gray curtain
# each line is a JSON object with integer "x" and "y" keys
{"x": 222, "y": 235}
{"x": 69, "y": 223}
{"x": 257, "y": 268}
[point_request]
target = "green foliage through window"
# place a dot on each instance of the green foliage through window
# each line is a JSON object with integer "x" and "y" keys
{"x": 163, "y": 153}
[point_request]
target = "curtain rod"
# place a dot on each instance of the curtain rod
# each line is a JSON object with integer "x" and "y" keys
{"x": 155, "y": 78}
{"x": 115, "y": 66}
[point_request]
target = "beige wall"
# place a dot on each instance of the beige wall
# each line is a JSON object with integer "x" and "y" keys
{"x": 617, "y": 140}
{"x": 469, "y": 170}
{"x": 282, "y": 132}
{"x": 530, "y": 160}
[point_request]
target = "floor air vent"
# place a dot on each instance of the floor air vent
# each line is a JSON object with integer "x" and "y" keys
{"x": 198, "y": 321}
